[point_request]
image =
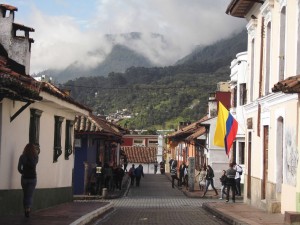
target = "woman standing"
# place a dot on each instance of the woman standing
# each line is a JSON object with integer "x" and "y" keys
{"x": 27, "y": 167}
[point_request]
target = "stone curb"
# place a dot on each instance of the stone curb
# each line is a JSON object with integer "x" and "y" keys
{"x": 227, "y": 218}
{"x": 87, "y": 218}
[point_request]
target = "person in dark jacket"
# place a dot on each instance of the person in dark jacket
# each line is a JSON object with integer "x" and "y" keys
{"x": 231, "y": 182}
{"x": 131, "y": 174}
{"x": 223, "y": 179}
{"x": 182, "y": 168}
{"x": 119, "y": 176}
{"x": 138, "y": 175}
{"x": 27, "y": 167}
{"x": 210, "y": 180}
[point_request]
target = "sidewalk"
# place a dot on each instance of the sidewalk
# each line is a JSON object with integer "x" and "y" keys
{"x": 237, "y": 213}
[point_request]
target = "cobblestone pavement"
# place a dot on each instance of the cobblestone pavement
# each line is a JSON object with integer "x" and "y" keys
{"x": 156, "y": 202}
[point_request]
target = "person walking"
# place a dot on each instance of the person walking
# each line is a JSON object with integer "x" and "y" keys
{"x": 210, "y": 180}
{"x": 138, "y": 175}
{"x": 131, "y": 174}
{"x": 181, "y": 174}
{"x": 223, "y": 180}
{"x": 27, "y": 167}
{"x": 99, "y": 178}
{"x": 173, "y": 174}
{"x": 239, "y": 172}
{"x": 119, "y": 177}
{"x": 155, "y": 166}
{"x": 230, "y": 182}
{"x": 202, "y": 178}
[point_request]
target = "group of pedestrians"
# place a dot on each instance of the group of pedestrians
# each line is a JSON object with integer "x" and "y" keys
{"x": 230, "y": 181}
{"x": 136, "y": 174}
{"x": 109, "y": 177}
{"x": 182, "y": 180}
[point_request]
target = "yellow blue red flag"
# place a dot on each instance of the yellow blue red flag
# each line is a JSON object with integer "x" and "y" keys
{"x": 226, "y": 129}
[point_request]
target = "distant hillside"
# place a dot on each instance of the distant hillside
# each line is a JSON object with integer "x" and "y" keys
{"x": 160, "y": 97}
{"x": 220, "y": 52}
{"x": 119, "y": 59}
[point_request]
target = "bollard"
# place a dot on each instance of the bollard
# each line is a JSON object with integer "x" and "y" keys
{"x": 104, "y": 192}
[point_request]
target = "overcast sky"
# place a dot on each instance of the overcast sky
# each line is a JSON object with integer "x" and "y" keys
{"x": 72, "y": 30}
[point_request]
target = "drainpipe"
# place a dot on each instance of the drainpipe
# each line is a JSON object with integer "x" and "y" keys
{"x": 260, "y": 74}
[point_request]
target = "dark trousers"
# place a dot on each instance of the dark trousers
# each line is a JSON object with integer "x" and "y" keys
{"x": 232, "y": 187}
{"x": 132, "y": 180}
{"x": 137, "y": 181}
{"x": 99, "y": 186}
{"x": 238, "y": 186}
{"x": 28, "y": 186}
{"x": 174, "y": 177}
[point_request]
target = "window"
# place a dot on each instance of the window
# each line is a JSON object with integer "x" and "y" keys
{"x": 243, "y": 94}
{"x": 241, "y": 153}
{"x": 282, "y": 44}
{"x": 138, "y": 142}
{"x": 153, "y": 143}
{"x": 68, "y": 142}
{"x": 34, "y": 128}
{"x": 268, "y": 59}
{"x": 234, "y": 99}
{"x": 57, "y": 137}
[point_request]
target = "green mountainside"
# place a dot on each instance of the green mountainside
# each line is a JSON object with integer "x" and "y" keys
{"x": 160, "y": 97}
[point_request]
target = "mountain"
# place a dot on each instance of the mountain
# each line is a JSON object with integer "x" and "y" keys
{"x": 160, "y": 97}
{"x": 118, "y": 60}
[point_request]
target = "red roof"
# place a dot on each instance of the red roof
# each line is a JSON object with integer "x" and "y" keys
{"x": 289, "y": 85}
{"x": 137, "y": 154}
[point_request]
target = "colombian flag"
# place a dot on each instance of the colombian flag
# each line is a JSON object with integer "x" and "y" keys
{"x": 226, "y": 129}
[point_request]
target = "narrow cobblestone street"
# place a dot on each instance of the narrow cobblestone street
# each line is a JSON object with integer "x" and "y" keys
{"x": 156, "y": 202}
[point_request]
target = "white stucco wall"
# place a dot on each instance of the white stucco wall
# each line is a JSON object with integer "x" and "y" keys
{"x": 15, "y": 135}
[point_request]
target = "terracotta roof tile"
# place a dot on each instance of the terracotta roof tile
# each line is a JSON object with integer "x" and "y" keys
{"x": 138, "y": 154}
{"x": 197, "y": 133}
{"x": 289, "y": 85}
{"x": 188, "y": 130}
{"x": 55, "y": 91}
{"x": 9, "y": 7}
{"x": 240, "y": 8}
{"x": 97, "y": 125}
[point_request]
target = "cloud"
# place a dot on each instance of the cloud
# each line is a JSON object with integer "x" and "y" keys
{"x": 63, "y": 39}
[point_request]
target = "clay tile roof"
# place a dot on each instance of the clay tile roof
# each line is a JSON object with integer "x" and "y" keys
{"x": 188, "y": 130}
{"x": 16, "y": 86}
{"x": 9, "y": 7}
{"x": 240, "y": 8}
{"x": 289, "y": 85}
{"x": 55, "y": 91}
{"x": 140, "y": 154}
{"x": 197, "y": 133}
{"x": 96, "y": 125}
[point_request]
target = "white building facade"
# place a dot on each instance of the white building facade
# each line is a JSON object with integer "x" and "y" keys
{"x": 271, "y": 119}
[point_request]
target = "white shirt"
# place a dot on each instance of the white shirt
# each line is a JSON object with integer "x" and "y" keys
{"x": 238, "y": 169}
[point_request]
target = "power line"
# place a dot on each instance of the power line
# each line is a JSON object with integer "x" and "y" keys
{"x": 135, "y": 87}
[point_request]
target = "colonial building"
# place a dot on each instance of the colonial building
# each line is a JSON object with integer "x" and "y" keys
{"x": 32, "y": 112}
{"x": 271, "y": 118}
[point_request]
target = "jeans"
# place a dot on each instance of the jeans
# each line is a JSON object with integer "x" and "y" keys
{"x": 28, "y": 186}
{"x": 210, "y": 182}
{"x": 223, "y": 191}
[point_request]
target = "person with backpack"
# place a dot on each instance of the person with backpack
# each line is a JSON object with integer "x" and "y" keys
{"x": 239, "y": 172}
{"x": 131, "y": 174}
{"x": 210, "y": 180}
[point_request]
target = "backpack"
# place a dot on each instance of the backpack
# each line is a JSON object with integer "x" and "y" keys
{"x": 240, "y": 172}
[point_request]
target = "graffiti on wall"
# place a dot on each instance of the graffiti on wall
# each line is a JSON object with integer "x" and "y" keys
{"x": 290, "y": 158}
